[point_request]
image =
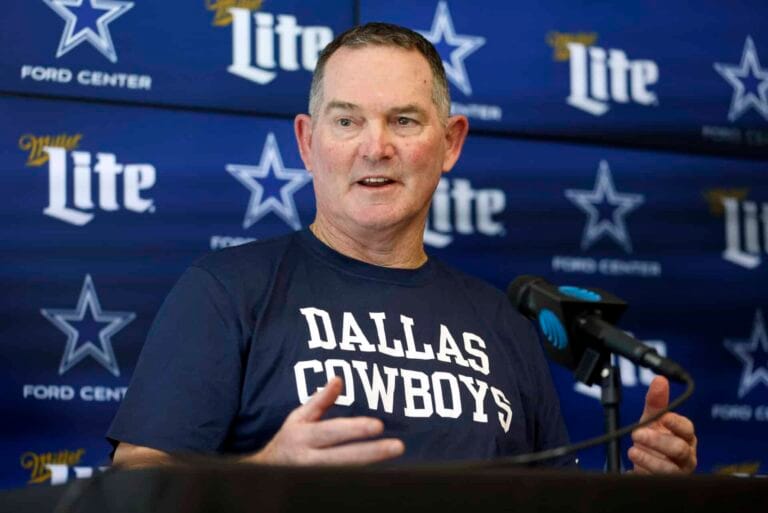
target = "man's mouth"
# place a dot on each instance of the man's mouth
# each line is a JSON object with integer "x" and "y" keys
{"x": 375, "y": 181}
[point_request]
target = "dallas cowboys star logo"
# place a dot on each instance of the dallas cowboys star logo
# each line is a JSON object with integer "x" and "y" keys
{"x": 291, "y": 181}
{"x": 620, "y": 204}
{"x": 748, "y": 72}
{"x": 443, "y": 34}
{"x": 88, "y": 20}
{"x": 753, "y": 353}
{"x": 75, "y": 351}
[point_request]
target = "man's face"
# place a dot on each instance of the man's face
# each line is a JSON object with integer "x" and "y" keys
{"x": 377, "y": 146}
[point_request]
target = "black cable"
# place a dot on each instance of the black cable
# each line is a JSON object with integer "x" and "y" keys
{"x": 557, "y": 452}
{"x": 77, "y": 491}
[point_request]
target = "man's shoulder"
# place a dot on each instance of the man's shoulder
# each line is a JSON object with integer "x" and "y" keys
{"x": 471, "y": 284}
{"x": 487, "y": 298}
{"x": 240, "y": 262}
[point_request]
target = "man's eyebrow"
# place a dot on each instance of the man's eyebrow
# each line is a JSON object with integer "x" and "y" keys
{"x": 339, "y": 105}
{"x": 411, "y": 108}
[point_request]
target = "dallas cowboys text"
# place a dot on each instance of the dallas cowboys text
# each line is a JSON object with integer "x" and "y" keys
{"x": 423, "y": 395}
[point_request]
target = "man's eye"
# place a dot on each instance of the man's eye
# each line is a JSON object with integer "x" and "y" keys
{"x": 403, "y": 121}
{"x": 344, "y": 122}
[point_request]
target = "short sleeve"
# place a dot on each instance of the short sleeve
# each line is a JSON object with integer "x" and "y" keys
{"x": 544, "y": 424}
{"x": 548, "y": 424}
{"x": 185, "y": 390}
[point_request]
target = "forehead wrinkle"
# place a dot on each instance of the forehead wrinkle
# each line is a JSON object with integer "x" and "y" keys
{"x": 409, "y": 108}
{"x": 400, "y": 109}
{"x": 340, "y": 105}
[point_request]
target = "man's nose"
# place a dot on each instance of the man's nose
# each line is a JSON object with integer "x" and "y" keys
{"x": 377, "y": 142}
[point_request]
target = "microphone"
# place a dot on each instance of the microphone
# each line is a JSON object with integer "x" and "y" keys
{"x": 578, "y": 324}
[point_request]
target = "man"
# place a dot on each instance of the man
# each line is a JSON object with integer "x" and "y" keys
{"x": 435, "y": 364}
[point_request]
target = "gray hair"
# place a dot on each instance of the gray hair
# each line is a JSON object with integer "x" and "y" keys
{"x": 384, "y": 34}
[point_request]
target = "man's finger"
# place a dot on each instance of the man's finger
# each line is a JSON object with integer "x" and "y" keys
{"x": 679, "y": 425}
{"x": 360, "y": 453}
{"x": 320, "y": 401}
{"x": 641, "y": 471}
{"x": 654, "y": 465}
{"x": 634, "y": 456}
{"x": 669, "y": 446}
{"x": 331, "y": 432}
{"x": 657, "y": 398}
{"x": 649, "y": 450}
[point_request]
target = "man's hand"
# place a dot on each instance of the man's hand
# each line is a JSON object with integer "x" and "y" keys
{"x": 668, "y": 445}
{"x": 304, "y": 439}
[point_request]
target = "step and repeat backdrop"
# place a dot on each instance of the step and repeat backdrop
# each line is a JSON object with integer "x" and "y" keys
{"x": 617, "y": 145}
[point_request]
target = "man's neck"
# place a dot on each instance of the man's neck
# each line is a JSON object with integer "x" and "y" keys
{"x": 378, "y": 247}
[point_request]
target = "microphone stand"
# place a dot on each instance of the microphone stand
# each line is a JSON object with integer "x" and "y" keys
{"x": 610, "y": 398}
{"x": 595, "y": 368}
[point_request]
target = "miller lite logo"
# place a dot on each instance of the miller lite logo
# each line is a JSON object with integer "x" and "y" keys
{"x": 220, "y": 8}
{"x": 72, "y": 189}
{"x": 39, "y": 464}
{"x": 263, "y": 43}
{"x": 559, "y": 42}
{"x": 34, "y": 144}
{"x": 743, "y": 232}
{"x": 458, "y": 208}
{"x": 600, "y": 76}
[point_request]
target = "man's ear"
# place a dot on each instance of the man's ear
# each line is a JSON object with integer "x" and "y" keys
{"x": 456, "y": 130}
{"x": 302, "y": 128}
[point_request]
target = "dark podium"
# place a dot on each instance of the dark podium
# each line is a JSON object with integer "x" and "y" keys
{"x": 240, "y": 488}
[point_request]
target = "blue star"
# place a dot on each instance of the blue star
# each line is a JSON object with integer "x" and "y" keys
{"x": 88, "y": 302}
{"x": 93, "y": 19}
{"x": 291, "y": 179}
{"x": 748, "y": 351}
{"x": 747, "y": 73}
{"x": 591, "y": 202}
{"x": 443, "y": 35}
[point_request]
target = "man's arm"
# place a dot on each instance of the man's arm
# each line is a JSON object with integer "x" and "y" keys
{"x": 129, "y": 456}
{"x": 303, "y": 439}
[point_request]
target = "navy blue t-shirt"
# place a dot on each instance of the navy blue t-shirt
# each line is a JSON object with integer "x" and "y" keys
{"x": 249, "y": 333}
